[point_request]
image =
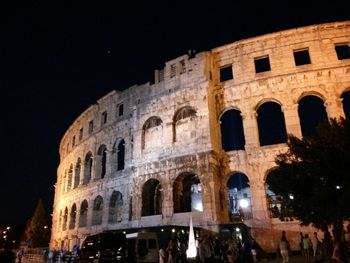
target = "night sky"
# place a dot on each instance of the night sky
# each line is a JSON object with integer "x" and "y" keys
{"x": 59, "y": 57}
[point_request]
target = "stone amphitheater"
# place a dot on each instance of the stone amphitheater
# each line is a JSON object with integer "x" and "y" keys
{"x": 200, "y": 140}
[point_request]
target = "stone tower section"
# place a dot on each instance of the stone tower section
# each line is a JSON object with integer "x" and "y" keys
{"x": 201, "y": 140}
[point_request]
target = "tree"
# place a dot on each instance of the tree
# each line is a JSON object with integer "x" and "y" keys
{"x": 313, "y": 176}
{"x": 37, "y": 230}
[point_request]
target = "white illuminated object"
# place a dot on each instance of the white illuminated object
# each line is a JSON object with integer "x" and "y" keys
{"x": 192, "y": 250}
{"x": 291, "y": 197}
{"x": 243, "y": 203}
{"x": 198, "y": 206}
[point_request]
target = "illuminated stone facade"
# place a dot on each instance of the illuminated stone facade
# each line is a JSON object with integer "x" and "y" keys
{"x": 154, "y": 154}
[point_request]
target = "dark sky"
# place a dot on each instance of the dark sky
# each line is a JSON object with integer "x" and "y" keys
{"x": 59, "y": 57}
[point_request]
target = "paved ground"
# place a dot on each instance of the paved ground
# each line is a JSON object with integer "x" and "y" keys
{"x": 292, "y": 259}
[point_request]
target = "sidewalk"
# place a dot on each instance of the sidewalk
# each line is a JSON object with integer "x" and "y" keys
{"x": 292, "y": 259}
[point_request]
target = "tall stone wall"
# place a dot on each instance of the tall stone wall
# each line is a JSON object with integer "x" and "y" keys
{"x": 170, "y": 130}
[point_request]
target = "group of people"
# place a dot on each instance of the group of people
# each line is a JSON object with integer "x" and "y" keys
{"x": 209, "y": 250}
{"x": 313, "y": 249}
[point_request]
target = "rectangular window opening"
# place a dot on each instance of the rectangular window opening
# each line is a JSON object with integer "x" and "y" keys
{"x": 120, "y": 110}
{"x": 73, "y": 141}
{"x": 161, "y": 75}
{"x": 104, "y": 117}
{"x": 80, "y": 134}
{"x": 226, "y": 73}
{"x": 301, "y": 57}
{"x": 262, "y": 64}
{"x": 172, "y": 70}
{"x": 91, "y": 127}
{"x": 182, "y": 66}
{"x": 343, "y": 51}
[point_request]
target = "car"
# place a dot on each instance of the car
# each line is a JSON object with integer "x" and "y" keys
{"x": 104, "y": 247}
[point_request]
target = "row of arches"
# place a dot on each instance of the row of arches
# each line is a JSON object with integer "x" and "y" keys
{"x": 187, "y": 197}
{"x": 81, "y": 173}
{"x": 183, "y": 124}
{"x": 271, "y": 121}
{"x": 68, "y": 217}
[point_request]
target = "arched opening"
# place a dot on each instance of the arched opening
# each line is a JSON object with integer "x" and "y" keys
{"x": 152, "y": 198}
{"x": 346, "y": 104}
{"x": 239, "y": 197}
{"x": 184, "y": 126}
{"x": 65, "y": 219}
{"x": 97, "y": 211}
{"x": 70, "y": 177}
{"x": 77, "y": 173}
{"x": 101, "y": 162}
{"x": 115, "y": 207}
{"x": 87, "y": 168}
{"x": 232, "y": 133}
{"x": 83, "y": 214}
{"x": 311, "y": 112}
{"x": 277, "y": 206}
{"x": 271, "y": 124}
{"x": 151, "y": 132}
{"x": 187, "y": 193}
{"x": 121, "y": 155}
{"x": 72, "y": 216}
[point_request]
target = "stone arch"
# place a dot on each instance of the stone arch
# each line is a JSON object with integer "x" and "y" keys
{"x": 121, "y": 155}
{"x": 87, "y": 168}
{"x": 70, "y": 177}
{"x": 271, "y": 123}
{"x": 84, "y": 208}
{"x": 115, "y": 207}
{"x": 152, "y": 198}
{"x": 77, "y": 173}
{"x": 101, "y": 162}
{"x": 118, "y": 155}
{"x": 277, "y": 206}
{"x": 151, "y": 132}
{"x": 65, "y": 219}
{"x": 187, "y": 193}
{"x": 72, "y": 216}
{"x": 346, "y": 103}
{"x": 311, "y": 112}
{"x": 239, "y": 196}
{"x": 232, "y": 132}
{"x": 97, "y": 211}
{"x": 184, "y": 123}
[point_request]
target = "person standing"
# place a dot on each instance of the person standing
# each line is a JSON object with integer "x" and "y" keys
{"x": 172, "y": 251}
{"x": 284, "y": 248}
{"x": 19, "y": 255}
{"x": 163, "y": 255}
{"x": 306, "y": 247}
{"x": 315, "y": 244}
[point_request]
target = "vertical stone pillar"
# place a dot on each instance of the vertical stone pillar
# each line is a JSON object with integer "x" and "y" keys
{"x": 334, "y": 108}
{"x": 259, "y": 202}
{"x": 291, "y": 118}
{"x": 168, "y": 207}
{"x": 109, "y": 165}
{"x": 97, "y": 169}
{"x": 250, "y": 128}
{"x": 137, "y": 204}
